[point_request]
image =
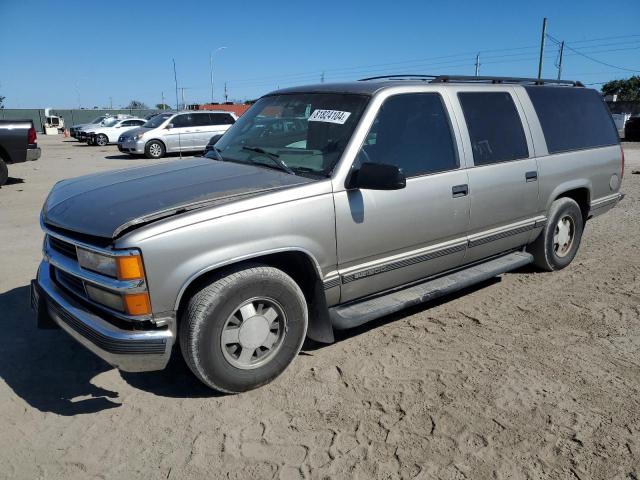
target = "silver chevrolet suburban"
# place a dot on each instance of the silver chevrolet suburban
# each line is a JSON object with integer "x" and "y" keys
{"x": 324, "y": 207}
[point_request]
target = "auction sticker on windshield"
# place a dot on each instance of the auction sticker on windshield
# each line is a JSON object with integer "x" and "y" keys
{"x": 330, "y": 116}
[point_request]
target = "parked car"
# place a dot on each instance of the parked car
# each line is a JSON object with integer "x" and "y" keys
{"x": 73, "y": 130}
{"x": 82, "y": 135}
{"x": 632, "y": 128}
{"x": 110, "y": 132}
{"x": 620, "y": 119}
{"x": 175, "y": 132}
{"x": 18, "y": 143}
{"x": 393, "y": 192}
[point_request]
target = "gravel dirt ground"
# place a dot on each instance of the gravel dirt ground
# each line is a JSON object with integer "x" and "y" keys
{"x": 532, "y": 375}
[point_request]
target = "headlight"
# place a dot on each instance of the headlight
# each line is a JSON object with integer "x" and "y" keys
{"x": 97, "y": 262}
{"x": 122, "y": 267}
{"x": 138, "y": 136}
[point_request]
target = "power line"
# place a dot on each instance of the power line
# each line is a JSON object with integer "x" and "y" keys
{"x": 599, "y": 61}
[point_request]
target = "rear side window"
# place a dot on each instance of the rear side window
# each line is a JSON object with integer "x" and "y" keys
{"x": 412, "y": 131}
{"x": 572, "y": 118}
{"x": 201, "y": 119}
{"x": 494, "y": 127}
{"x": 221, "y": 119}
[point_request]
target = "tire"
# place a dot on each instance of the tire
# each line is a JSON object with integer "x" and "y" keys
{"x": 558, "y": 243}
{"x": 4, "y": 172}
{"x": 154, "y": 149}
{"x": 101, "y": 140}
{"x": 242, "y": 302}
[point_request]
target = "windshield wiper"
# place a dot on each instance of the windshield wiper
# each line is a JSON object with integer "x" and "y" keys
{"x": 261, "y": 150}
{"x": 273, "y": 156}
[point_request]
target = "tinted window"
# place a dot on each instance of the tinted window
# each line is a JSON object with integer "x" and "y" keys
{"x": 201, "y": 119}
{"x": 185, "y": 120}
{"x": 412, "y": 131}
{"x": 494, "y": 127}
{"x": 221, "y": 119}
{"x": 572, "y": 118}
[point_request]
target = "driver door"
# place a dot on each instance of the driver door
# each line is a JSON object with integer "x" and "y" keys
{"x": 390, "y": 238}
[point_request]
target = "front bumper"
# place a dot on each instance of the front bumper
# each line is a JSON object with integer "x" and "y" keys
{"x": 33, "y": 154}
{"x": 128, "y": 350}
{"x": 131, "y": 146}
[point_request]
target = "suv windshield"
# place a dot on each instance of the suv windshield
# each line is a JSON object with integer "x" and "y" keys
{"x": 158, "y": 120}
{"x": 307, "y": 132}
{"x": 97, "y": 120}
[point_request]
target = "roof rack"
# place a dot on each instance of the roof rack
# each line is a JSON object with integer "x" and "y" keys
{"x": 472, "y": 79}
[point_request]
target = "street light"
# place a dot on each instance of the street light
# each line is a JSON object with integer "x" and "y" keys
{"x": 211, "y": 68}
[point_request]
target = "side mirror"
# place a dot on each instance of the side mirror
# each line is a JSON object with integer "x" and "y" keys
{"x": 169, "y": 126}
{"x": 378, "y": 176}
{"x": 213, "y": 140}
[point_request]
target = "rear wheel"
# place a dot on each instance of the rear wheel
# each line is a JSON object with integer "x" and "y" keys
{"x": 102, "y": 140}
{"x": 244, "y": 328}
{"x": 154, "y": 149}
{"x": 559, "y": 241}
{"x": 4, "y": 172}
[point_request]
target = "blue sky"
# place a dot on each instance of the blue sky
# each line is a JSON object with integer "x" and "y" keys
{"x": 124, "y": 50}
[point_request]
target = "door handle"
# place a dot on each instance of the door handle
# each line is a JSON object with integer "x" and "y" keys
{"x": 459, "y": 190}
{"x": 531, "y": 176}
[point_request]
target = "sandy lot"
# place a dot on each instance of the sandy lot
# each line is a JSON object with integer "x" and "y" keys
{"x": 528, "y": 376}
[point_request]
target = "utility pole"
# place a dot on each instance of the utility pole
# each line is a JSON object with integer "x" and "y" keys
{"x": 211, "y": 74}
{"x": 175, "y": 78}
{"x": 183, "y": 104}
{"x": 162, "y": 94}
{"x": 560, "y": 60}
{"x": 544, "y": 34}
{"x": 478, "y": 64}
{"x": 110, "y": 103}
{"x": 226, "y": 96}
{"x": 211, "y": 68}
{"x": 322, "y": 77}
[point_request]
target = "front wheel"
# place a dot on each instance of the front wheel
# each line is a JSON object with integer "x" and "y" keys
{"x": 558, "y": 243}
{"x": 154, "y": 149}
{"x": 101, "y": 140}
{"x": 244, "y": 328}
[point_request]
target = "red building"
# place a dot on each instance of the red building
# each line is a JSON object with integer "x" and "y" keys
{"x": 238, "y": 109}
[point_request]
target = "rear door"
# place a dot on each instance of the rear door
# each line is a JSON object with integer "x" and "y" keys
{"x": 503, "y": 173}
{"x": 389, "y": 238}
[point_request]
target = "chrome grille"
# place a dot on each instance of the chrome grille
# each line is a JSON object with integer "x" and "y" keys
{"x": 69, "y": 282}
{"x": 65, "y": 248}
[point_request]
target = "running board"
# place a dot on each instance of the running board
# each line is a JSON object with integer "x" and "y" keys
{"x": 354, "y": 314}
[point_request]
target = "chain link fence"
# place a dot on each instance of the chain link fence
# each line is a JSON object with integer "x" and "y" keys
{"x": 70, "y": 116}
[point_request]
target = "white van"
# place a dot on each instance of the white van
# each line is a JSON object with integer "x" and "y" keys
{"x": 175, "y": 132}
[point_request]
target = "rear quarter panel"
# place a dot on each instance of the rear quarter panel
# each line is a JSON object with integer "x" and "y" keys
{"x": 560, "y": 172}
{"x": 13, "y": 140}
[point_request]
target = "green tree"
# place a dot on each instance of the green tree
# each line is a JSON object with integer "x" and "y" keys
{"x": 2, "y": 101}
{"x": 137, "y": 104}
{"x": 627, "y": 90}
{"x": 162, "y": 106}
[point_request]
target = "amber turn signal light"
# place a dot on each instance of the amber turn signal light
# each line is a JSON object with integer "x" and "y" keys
{"x": 137, "y": 303}
{"x": 130, "y": 267}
